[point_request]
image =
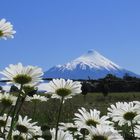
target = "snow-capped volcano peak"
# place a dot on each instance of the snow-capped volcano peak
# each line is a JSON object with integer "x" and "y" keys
{"x": 92, "y": 59}
{"x": 92, "y": 64}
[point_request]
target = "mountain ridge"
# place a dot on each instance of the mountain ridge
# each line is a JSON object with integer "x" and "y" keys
{"x": 92, "y": 64}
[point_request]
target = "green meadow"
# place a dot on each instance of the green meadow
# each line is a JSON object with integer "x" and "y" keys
{"x": 46, "y": 112}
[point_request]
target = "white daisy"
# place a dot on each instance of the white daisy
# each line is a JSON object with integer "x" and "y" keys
{"x": 72, "y": 128}
{"x": 61, "y": 88}
{"x": 24, "y": 125}
{"x": 5, "y": 122}
{"x": 6, "y": 29}
{"x": 124, "y": 113}
{"x": 7, "y": 99}
{"x": 91, "y": 118}
{"x": 137, "y": 131}
{"x": 61, "y": 135}
{"x": 21, "y": 75}
{"x": 103, "y": 132}
{"x": 67, "y": 126}
{"x": 16, "y": 135}
{"x": 36, "y": 98}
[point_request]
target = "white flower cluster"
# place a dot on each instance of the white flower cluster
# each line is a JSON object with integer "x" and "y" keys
{"x": 90, "y": 125}
{"x": 26, "y": 80}
{"x": 24, "y": 128}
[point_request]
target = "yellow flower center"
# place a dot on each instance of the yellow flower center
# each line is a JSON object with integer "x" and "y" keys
{"x": 1, "y": 33}
{"x": 91, "y": 122}
{"x": 129, "y": 116}
{"x": 63, "y": 92}
{"x": 22, "y": 79}
{"x": 6, "y": 102}
{"x": 22, "y": 128}
{"x": 99, "y": 138}
{"x": 84, "y": 131}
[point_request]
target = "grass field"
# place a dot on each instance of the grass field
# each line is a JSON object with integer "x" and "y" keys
{"x": 46, "y": 112}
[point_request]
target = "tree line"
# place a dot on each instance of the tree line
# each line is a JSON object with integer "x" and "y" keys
{"x": 111, "y": 83}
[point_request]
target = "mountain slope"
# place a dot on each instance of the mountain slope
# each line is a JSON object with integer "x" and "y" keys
{"x": 92, "y": 64}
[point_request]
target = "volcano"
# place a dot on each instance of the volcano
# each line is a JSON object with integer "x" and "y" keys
{"x": 91, "y": 65}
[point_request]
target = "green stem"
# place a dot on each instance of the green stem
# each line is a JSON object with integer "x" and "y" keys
{"x": 13, "y": 114}
{"x": 132, "y": 127}
{"x": 34, "y": 112}
{"x": 58, "y": 119}
{"x": 20, "y": 106}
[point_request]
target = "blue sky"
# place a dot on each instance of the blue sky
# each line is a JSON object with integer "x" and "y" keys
{"x": 51, "y": 32}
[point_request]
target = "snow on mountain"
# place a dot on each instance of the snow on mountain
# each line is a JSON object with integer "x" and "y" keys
{"x": 92, "y": 64}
